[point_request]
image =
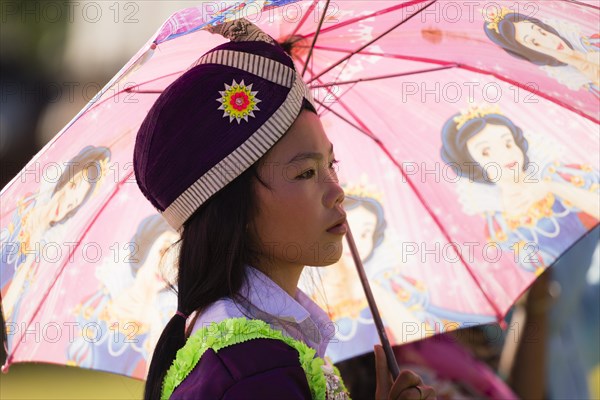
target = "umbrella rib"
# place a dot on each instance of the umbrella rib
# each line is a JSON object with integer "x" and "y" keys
{"x": 346, "y": 120}
{"x": 337, "y": 98}
{"x": 304, "y": 18}
{"x": 10, "y": 356}
{"x": 88, "y": 107}
{"x": 382, "y": 146}
{"x": 375, "y": 78}
{"x": 387, "y": 55}
{"x": 532, "y": 90}
{"x": 370, "y": 42}
{"x": 480, "y": 71}
{"x": 155, "y": 91}
{"x": 362, "y": 17}
{"x": 312, "y": 45}
{"x": 579, "y": 3}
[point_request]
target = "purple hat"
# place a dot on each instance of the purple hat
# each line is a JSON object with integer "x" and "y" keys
{"x": 216, "y": 120}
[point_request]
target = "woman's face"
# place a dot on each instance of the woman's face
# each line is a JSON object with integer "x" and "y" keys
{"x": 363, "y": 222}
{"x": 536, "y": 38}
{"x": 69, "y": 196}
{"x": 494, "y": 148}
{"x": 304, "y": 201}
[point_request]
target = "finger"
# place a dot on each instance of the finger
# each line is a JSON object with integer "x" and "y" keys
{"x": 420, "y": 392}
{"x": 407, "y": 379}
{"x": 428, "y": 393}
{"x": 383, "y": 376}
{"x": 412, "y": 393}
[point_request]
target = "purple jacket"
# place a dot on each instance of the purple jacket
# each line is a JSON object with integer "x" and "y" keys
{"x": 259, "y": 368}
{"x": 256, "y": 369}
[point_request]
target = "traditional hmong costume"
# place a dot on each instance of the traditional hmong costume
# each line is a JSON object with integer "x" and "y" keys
{"x": 245, "y": 94}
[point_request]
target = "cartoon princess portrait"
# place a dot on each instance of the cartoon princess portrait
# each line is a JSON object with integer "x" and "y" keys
{"x": 131, "y": 307}
{"x": 534, "y": 204}
{"x": 41, "y": 216}
{"x": 400, "y": 298}
{"x": 366, "y": 217}
{"x": 558, "y": 47}
{"x": 343, "y": 295}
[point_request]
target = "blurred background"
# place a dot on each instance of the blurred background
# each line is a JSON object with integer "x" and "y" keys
{"x": 54, "y": 57}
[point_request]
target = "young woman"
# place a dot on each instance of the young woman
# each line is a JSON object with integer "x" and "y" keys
{"x": 234, "y": 157}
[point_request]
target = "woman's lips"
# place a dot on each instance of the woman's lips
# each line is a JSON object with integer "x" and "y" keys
{"x": 560, "y": 46}
{"x": 511, "y": 165}
{"x": 339, "y": 229}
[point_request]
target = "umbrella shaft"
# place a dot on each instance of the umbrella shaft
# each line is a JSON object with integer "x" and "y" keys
{"x": 389, "y": 353}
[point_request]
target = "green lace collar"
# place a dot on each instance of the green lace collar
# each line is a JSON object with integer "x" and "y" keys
{"x": 238, "y": 330}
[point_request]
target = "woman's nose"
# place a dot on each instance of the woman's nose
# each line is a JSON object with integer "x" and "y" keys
{"x": 335, "y": 193}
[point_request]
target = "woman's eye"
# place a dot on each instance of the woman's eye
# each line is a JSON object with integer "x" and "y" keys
{"x": 541, "y": 31}
{"x": 311, "y": 172}
{"x": 509, "y": 145}
{"x": 535, "y": 43}
{"x": 307, "y": 174}
{"x": 485, "y": 153}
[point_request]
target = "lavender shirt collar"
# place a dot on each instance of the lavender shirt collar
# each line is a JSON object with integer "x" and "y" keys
{"x": 302, "y": 318}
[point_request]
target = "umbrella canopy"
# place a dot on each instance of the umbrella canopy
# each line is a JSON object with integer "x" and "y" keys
{"x": 458, "y": 193}
{"x": 81, "y": 274}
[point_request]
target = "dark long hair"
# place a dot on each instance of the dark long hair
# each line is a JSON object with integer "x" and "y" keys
{"x": 216, "y": 242}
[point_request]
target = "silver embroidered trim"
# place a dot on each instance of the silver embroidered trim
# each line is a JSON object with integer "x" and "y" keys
{"x": 334, "y": 388}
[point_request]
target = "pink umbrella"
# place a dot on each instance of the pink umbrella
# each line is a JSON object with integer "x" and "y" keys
{"x": 398, "y": 84}
{"x": 395, "y": 82}
{"x": 401, "y": 99}
{"x": 81, "y": 247}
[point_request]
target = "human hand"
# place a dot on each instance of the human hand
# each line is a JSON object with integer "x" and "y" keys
{"x": 540, "y": 296}
{"x": 408, "y": 385}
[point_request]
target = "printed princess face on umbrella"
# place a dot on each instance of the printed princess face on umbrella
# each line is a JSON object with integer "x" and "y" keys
{"x": 401, "y": 299}
{"x": 496, "y": 144}
{"x": 74, "y": 187}
{"x": 343, "y": 294}
{"x": 135, "y": 299}
{"x": 38, "y": 214}
{"x": 149, "y": 277}
{"x": 546, "y": 208}
{"x": 556, "y": 46}
{"x": 68, "y": 197}
{"x": 365, "y": 216}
